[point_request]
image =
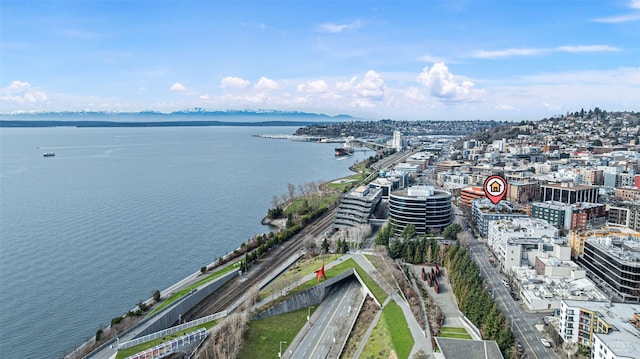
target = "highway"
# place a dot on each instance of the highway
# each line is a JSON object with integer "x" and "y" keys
{"x": 330, "y": 323}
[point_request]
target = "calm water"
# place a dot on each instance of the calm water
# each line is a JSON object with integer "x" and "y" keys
{"x": 121, "y": 212}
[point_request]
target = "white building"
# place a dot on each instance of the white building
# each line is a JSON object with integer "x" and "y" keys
{"x": 396, "y": 142}
{"x": 523, "y": 229}
{"x": 611, "y": 330}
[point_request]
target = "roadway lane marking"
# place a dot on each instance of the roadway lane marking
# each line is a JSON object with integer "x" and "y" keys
{"x": 330, "y": 320}
{"x": 525, "y": 339}
{"x": 514, "y": 322}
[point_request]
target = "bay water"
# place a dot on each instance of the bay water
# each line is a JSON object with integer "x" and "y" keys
{"x": 121, "y": 212}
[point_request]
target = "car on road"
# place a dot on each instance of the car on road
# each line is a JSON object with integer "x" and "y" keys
{"x": 513, "y": 296}
{"x": 545, "y": 342}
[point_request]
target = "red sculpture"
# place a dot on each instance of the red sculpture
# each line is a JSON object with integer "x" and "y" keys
{"x": 320, "y": 273}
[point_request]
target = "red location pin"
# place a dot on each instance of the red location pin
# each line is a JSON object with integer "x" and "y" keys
{"x": 495, "y": 187}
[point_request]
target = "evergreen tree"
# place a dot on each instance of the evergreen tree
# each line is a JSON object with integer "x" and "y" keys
{"x": 324, "y": 246}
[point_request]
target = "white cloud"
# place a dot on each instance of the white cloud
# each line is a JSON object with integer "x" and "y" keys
{"x": 441, "y": 83}
{"x": 178, "y": 87}
{"x": 431, "y": 59}
{"x": 483, "y": 54}
{"x": 618, "y": 19}
{"x": 364, "y": 93}
{"x": 233, "y": 83}
{"x": 588, "y": 48}
{"x": 314, "y": 87}
{"x": 266, "y": 84}
{"x": 19, "y": 92}
{"x": 204, "y": 96}
{"x": 415, "y": 94}
{"x": 16, "y": 87}
{"x": 334, "y": 28}
{"x": 495, "y": 54}
{"x": 634, "y": 16}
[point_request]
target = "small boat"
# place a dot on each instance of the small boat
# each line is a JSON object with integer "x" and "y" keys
{"x": 49, "y": 154}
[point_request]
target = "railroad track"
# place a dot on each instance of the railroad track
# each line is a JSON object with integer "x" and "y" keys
{"x": 234, "y": 290}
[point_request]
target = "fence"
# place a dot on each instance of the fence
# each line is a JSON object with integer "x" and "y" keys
{"x": 164, "y": 349}
{"x": 169, "y": 331}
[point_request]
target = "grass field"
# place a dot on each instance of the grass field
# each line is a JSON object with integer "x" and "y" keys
{"x": 297, "y": 204}
{"x": 296, "y": 272}
{"x": 380, "y": 295}
{"x": 124, "y": 353}
{"x": 456, "y": 333}
{"x": 177, "y": 295}
{"x": 390, "y": 334}
{"x": 264, "y": 336}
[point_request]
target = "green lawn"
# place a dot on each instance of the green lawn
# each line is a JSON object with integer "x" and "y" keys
{"x": 179, "y": 294}
{"x": 380, "y": 295}
{"x": 390, "y": 334}
{"x": 296, "y": 272}
{"x": 264, "y": 335}
{"x": 124, "y": 353}
{"x": 297, "y": 204}
{"x": 456, "y": 333}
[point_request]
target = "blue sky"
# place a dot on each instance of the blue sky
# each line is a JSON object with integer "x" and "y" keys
{"x": 404, "y": 60}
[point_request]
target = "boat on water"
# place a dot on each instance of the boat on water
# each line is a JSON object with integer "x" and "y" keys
{"x": 49, "y": 154}
{"x": 343, "y": 151}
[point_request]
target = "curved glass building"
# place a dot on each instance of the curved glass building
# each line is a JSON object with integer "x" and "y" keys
{"x": 428, "y": 209}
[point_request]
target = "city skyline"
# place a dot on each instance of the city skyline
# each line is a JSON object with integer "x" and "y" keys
{"x": 400, "y": 60}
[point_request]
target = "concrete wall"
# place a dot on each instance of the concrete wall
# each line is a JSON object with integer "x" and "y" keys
{"x": 305, "y": 299}
{"x": 170, "y": 316}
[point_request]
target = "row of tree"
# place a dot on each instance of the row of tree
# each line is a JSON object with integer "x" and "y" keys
{"x": 260, "y": 245}
{"x": 474, "y": 300}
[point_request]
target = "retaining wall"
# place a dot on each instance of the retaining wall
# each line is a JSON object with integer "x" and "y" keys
{"x": 167, "y": 318}
{"x": 307, "y": 298}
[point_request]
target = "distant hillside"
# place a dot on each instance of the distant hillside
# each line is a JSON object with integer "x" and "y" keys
{"x": 191, "y": 117}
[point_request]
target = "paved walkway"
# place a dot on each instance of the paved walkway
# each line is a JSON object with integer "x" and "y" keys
{"x": 420, "y": 341}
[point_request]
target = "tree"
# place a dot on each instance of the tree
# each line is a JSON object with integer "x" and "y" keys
{"x": 203, "y": 269}
{"x": 597, "y": 142}
{"x": 291, "y": 190}
{"x": 395, "y": 249}
{"x": 408, "y": 232}
{"x": 156, "y": 295}
{"x": 324, "y": 246}
{"x": 452, "y": 231}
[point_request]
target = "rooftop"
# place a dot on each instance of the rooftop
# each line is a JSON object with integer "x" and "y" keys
{"x": 624, "y": 249}
{"x": 468, "y": 349}
{"x": 557, "y": 288}
{"x": 624, "y": 340}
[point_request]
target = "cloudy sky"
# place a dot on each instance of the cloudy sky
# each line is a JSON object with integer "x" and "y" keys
{"x": 404, "y": 60}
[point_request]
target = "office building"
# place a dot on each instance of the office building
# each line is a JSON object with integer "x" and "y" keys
{"x": 428, "y": 209}
{"x": 357, "y": 206}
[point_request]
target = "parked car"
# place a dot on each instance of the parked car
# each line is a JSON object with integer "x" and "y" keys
{"x": 545, "y": 342}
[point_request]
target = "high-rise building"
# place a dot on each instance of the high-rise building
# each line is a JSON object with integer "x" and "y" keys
{"x": 397, "y": 141}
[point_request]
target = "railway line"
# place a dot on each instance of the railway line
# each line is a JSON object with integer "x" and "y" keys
{"x": 231, "y": 292}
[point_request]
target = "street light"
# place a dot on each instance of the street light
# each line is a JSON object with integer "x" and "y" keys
{"x": 280, "y": 352}
{"x": 309, "y": 312}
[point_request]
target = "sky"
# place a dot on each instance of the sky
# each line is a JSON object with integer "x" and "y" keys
{"x": 399, "y": 60}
